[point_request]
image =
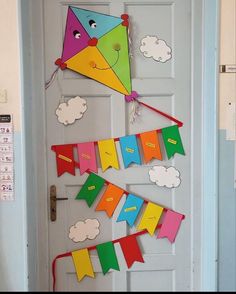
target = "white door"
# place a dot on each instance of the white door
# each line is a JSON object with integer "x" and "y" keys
{"x": 167, "y": 86}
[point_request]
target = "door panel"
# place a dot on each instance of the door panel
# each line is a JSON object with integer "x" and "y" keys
{"x": 165, "y": 86}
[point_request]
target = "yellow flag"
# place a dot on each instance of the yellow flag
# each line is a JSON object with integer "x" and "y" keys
{"x": 150, "y": 218}
{"x": 83, "y": 265}
{"x": 108, "y": 154}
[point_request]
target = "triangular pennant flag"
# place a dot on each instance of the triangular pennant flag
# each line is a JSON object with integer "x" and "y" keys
{"x": 90, "y": 189}
{"x": 130, "y": 209}
{"x": 150, "y": 218}
{"x": 108, "y": 154}
{"x": 65, "y": 159}
{"x": 83, "y": 265}
{"x": 110, "y": 199}
{"x": 96, "y": 24}
{"x": 172, "y": 141}
{"x": 87, "y": 157}
{"x": 131, "y": 250}
{"x": 107, "y": 257}
{"x": 76, "y": 38}
{"x": 114, "y": 47}
{"x": 151, "y": 146}
{"x": 129, "y": 150}
{"x": 170, "y": 226}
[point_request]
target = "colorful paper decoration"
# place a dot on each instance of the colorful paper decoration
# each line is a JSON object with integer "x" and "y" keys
{"x": 125, "y": 242}
{"x": 165, "y": 177}
{"x": 131, "y": 250}
{"x": 96, "y": 46}
{"x": 130, "y": 209}
{"x": 107, "y": 257}
{"x": 87, "y": 157}
{"x": 65, "y": 159}
{"x": 83, "y": 265}
{"x": 170, "y": 226}
{"x": 172, "y": 141}
{"x": 149, "y": 141}
{"x": 108, "y": 154}
{"x": 110, "y": 199}
{"x": 150, "y": 217}
{"x": 68, "y": 112}
{"x": 129, "y": 150}
{"x": 152, "y": 47}
{"x": 151, "y": 146}
{"x": 83, "y": 230}
{"x": 129, "y": 246}
{"x": 91, "y": 188}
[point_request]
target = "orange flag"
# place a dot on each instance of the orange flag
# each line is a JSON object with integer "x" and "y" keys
{"x": 110, "y": 199}
{"x": 151, "y": 146}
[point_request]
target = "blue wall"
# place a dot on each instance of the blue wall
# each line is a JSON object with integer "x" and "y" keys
{"x": 227, "y": 215}
{"x": 13, "y": 235}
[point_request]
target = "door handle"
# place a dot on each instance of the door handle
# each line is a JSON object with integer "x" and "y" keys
{"x": 53, "y": 202}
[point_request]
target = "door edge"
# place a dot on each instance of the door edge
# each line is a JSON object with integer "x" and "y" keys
{"x": 209, "y": 222}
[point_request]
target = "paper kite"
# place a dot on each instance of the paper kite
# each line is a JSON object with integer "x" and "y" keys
{"x": 96, "y": 46}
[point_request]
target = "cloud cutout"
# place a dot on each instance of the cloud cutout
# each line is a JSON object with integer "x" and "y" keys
{"x": 68, "y": 112}
{"x": 165, "y": 177}
{"x": 156, "y": 48}
{"x": 82, "y": 230}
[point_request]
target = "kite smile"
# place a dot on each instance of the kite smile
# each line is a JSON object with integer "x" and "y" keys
{"x": 117, "y": 49}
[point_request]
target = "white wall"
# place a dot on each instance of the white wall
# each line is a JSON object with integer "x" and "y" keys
{"x": 13, "y": 241}
{"x": 10, "y": 58}
{"x": 227, "y": 56}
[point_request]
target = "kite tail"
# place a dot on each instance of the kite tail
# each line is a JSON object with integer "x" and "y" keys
{"x": 52, "y": 78}
{"x": 135, "y": 109}
{"x": 60, "y": 64}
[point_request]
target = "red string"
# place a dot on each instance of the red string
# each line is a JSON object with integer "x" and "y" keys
{"x": 89, "y": 249}
{"x": 179, "y": 123}
{"x": 54, "y": 267}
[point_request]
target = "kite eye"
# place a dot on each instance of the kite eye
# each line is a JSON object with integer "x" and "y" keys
{"x": 76, "y": 34}
{"x": 92, "y": 24}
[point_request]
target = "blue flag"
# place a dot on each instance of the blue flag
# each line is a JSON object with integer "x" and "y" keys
{"x": 129, "y": 150}
{"x": 130, "y": 210}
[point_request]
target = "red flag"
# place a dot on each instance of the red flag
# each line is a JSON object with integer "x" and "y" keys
{"x": 131, "y": 250}
{"x": 65, "y": 159}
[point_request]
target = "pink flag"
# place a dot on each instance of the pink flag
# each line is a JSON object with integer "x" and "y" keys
{"x": 87, "y": 157}
{"x": 170, "y": 226}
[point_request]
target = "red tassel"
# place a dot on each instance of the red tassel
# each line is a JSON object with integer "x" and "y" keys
{"x": 61, "y": 64}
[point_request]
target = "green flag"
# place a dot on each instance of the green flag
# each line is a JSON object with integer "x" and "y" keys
{"x": 91, "y": 188}
{"x": 172, "y": 141}
{"x": 107, "y": 256}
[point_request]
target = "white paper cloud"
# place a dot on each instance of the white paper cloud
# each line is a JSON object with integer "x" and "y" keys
{"x": 156, "y": 48}
{"x": 71, "y": 110}
{"x": 165, "y": 177}
{"x": 82, "y": 230}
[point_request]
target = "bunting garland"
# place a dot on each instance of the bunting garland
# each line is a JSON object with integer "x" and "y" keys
{"x": 131, "y": 208}
{"x": 150, "y": 142}
{"x": 107, "y": 256}
{"x": 110, "y": 198}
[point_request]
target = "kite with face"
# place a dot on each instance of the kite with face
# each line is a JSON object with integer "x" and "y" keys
{"x": 96, "y": 46}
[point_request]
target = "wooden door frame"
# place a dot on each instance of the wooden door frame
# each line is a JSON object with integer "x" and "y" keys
{"x": 31, "y": 22}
